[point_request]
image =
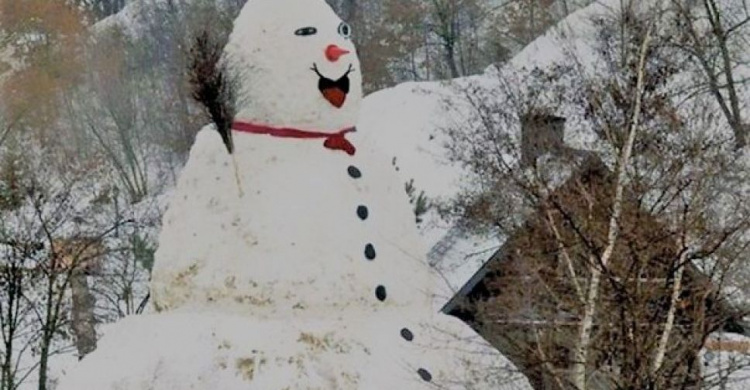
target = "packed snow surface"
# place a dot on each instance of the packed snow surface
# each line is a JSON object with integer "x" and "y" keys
{"x": 311, "y": 311}
{"x": 288, "y": 265}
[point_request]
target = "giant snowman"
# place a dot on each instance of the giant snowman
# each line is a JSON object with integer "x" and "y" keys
{"x": 293, "y": 263}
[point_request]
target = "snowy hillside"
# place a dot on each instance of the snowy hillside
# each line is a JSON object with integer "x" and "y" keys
{"x": 410, "y": 122}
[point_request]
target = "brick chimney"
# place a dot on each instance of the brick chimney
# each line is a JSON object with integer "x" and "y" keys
{"x": 541, "y": 134}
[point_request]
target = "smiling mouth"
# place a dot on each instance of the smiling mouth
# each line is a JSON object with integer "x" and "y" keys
{"x": 334, "y": 91}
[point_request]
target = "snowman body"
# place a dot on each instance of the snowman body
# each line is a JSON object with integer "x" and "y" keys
{"x": 296, "y": 228}
{"x": 350, "y": 350}
{"x": 287, "y": 264}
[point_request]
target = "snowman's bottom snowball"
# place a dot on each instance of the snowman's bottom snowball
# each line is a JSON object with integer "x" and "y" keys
{"x": 212, "y": 351}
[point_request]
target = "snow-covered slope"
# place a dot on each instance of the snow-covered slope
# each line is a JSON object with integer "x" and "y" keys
{"x": 409, "y": 122}
{"x": 137, "y": 14}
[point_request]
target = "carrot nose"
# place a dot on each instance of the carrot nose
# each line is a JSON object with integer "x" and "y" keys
{"x": 333, "y": 53}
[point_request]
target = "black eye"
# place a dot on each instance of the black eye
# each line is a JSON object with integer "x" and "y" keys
{"x": 345, "y": 30}
{"x": 305, "y": 31}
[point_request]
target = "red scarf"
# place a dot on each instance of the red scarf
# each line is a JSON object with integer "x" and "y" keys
{"x": 333, "y": 141}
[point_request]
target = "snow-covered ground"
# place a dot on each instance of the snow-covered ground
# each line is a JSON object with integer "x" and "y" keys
{"x": 408, "y": 123}
{"x": 726, "y": 358}
{"x": 72, "y": 210}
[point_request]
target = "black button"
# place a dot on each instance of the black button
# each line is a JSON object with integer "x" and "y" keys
{"x": 424, "y": 374}
{"x": 380, "y": 293}
{"x": 362, "y": 212}
{"x": 407, "y": 334}
{"x": 370, "y": 252}
{"x": 354, "y": 172}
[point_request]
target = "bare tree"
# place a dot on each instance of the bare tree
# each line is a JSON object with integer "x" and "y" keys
{"x": 457, "y": 25}
{"x": 617, "y": 259}
{"x": 580, "y": 352}
{"x": 519, "y": 22}
{"x": 714, "y": 35}
{"x": 51, "y": 237}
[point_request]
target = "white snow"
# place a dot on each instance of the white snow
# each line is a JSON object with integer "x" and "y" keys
{"x": 726, "y": 359}
{"x": 264, "y": 277}
{"x": 269, "y": 319}
{"x": 349, "y": 350}
{"x": 409, "y": 122}
{"x": 282, "y": 90}
{"x": 280, "y": 210}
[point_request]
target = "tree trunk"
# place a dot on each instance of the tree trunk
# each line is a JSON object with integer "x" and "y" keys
{"x": 580, "y": 350}
{"x": 8, "y": 382}
{"x": 450, "y": 57}
{"x": 741, "y": 134}
{"x": 735, "y": 120}
{"x": 14, "y": 285}
{"x": 48, "y": 330}
{"x": 44, "y": 359}
{"x": 532, "y": 23}
{"x": 83, "y": 315}
{"x": 565, "y": 8}
{"x": 669, "y": 323}
{"x": 348, "y": 10}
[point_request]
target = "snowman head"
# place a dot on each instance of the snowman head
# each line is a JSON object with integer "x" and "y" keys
{"x": 295, "y": 65}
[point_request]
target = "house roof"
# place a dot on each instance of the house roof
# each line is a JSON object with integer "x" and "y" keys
{"x": 638, "y": 226}
{"x": 409, "y": 122}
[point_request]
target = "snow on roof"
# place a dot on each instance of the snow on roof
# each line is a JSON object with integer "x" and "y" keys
{"x": 726, "y": 359}
{"x": 408, "y": 122}
{"x": 131, "y": 17}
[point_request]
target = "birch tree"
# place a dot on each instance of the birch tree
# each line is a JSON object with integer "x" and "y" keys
{"x": 580, "y": 352}
{"x": 618, "y": 256}
{"x": 715, "y": 35}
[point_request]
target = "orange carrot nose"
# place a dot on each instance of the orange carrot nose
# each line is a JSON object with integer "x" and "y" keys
{"x": 333, "y": 53}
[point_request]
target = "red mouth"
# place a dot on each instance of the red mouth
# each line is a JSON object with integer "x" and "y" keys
{"x": 335, "y": 96}
{"x": 334, "y": 91}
